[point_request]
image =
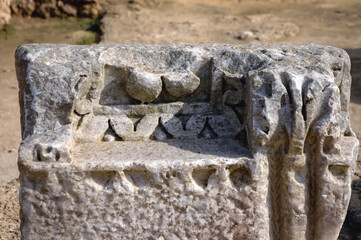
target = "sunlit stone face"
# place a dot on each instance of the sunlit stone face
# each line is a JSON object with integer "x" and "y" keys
{"x": 184, "y": 142}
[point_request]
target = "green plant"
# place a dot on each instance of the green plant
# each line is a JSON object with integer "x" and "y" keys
{"x": 91, "y": 25}
{"x": 83, "y": 24}
{"x": 63, "y": 16}
{"x": 87, "y": 40}
{"x": 7, "y": 30}
{"x": 94, "y": 26}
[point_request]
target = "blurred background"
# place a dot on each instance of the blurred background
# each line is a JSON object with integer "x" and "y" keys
{"x": 84, "y": 22}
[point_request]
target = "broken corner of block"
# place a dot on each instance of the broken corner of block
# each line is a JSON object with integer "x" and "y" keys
{"x": 184, "y": 142}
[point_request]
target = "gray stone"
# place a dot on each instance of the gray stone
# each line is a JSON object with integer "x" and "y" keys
{"x": 143, "y": 86}
{"x": 179, "y": 85}
{"x": 184, "y": 142}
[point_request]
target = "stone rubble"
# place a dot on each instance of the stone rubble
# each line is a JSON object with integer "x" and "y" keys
{"x": 55, "y": 8}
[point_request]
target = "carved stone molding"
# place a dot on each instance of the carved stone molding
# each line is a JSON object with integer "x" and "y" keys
{"x": 184, "y": 142}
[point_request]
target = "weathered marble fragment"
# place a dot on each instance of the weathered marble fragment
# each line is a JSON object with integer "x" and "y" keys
{"x": 184, "y": 142}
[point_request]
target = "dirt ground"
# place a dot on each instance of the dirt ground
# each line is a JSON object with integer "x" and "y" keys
{"x": 330, "y": 22}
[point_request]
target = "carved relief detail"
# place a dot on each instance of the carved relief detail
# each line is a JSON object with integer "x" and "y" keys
{"x": 161, "y": 120}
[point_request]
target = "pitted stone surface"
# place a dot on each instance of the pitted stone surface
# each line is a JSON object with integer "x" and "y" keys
{"x": 184, "y": 142}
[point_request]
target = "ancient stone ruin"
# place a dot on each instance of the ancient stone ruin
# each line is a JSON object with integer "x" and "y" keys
{"x": 184, "y": 142}
{"x": 49, "y": 8}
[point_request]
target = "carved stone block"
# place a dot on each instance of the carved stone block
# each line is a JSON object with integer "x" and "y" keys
{"x": 184, "y": 142}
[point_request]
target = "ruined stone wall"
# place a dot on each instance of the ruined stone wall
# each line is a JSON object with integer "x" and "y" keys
{"x": 46, "y": 9}
{"x": 56, "y": 8}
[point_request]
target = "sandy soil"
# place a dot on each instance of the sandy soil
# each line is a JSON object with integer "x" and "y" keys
{"x": 9, "y": 207}
{"x": 329, "y": 22}
{"x": 336, "y": 23}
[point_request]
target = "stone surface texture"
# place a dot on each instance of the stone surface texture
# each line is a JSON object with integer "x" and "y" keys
{"x": 56, "y": 8}
{"x": 5, "y": 12}
{"x": 22, "y": 7}
{"x": 184, "y": 142}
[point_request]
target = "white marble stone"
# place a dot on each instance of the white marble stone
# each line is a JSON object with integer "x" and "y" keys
{"x": 184, "y": 142}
